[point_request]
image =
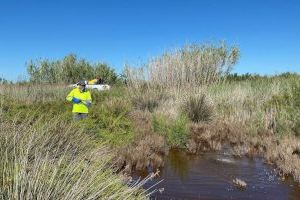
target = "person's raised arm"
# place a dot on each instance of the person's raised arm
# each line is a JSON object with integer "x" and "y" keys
{"x": 70, "y": 96}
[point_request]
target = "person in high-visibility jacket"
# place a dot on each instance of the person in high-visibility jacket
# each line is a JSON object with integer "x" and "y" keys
{"x": 81, "y": 99}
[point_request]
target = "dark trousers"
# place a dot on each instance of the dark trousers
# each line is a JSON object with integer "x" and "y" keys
{"x": 79, "y": 116}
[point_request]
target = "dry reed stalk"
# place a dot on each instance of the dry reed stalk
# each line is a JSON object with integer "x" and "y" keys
{"x": 30, "y": 93}
{"x": 190, "y": 66}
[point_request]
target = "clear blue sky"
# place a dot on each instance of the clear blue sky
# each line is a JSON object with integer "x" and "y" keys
{"x": 119, "y": 31}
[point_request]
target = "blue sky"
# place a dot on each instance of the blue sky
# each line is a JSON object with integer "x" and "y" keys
{"x": 116, "y": 31}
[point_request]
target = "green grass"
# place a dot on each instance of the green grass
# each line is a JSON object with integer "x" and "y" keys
{"x": 109, "y": 121}
{"x": 287, "y": 106}
{"x": 260, "y": 104}
{"x": 175, "y": 131}
{"x": 54, "y": 159}
{"x": 108, "y": 118}
{"x": 44, "y": 152}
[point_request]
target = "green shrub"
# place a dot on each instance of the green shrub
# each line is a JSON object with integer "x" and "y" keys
{"x": 160, "y": 124}
{"x": 109, "y": 120}
{"x": 178, "y": 134}
{"x": 70, "y": 69}
{"x": 175, "y": 131}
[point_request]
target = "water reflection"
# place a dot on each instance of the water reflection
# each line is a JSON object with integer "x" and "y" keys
{"x": 178, "y": 162}
{"x": 209, "y": 176}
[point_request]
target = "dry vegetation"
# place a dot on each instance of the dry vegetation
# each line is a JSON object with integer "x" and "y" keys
{"x": 258, "y": 115}
{"x": 190, "y": 66}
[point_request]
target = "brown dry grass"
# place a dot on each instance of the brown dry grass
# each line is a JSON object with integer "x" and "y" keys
{"x": 145, "y": 152}
{"x": 283, "y": 153}
{"x": 148, "y": 148}
{"x": 30, "y": 93}
{"x": 211, "y": 136}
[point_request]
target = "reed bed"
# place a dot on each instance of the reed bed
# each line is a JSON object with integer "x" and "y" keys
{"x": 190, "y": 66}
{"x": 30, "y": 93}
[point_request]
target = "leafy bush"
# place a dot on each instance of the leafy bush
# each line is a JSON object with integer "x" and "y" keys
{"x": 69, "y": 70}
{"x": 109, "y": 120}
{"x": 242, "y": 77}
{"x": 198, "y": 109}
{"x": 175, "y": 131}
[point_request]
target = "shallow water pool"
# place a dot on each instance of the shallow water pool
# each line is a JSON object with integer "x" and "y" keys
{"x": 210, "y": 176}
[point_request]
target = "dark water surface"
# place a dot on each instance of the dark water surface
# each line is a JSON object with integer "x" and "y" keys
{"x": 210, "y": 175}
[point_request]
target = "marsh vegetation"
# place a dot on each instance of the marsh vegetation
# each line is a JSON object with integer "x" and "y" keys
{"x": 186, "y": 98}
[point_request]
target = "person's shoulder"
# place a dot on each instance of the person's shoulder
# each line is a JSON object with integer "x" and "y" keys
{"x": 75, "y": 89}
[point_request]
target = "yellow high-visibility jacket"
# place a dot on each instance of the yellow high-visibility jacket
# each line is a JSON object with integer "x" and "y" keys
{"x": 83, "y": 96}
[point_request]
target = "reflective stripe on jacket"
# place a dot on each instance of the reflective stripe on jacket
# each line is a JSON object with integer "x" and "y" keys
{"x": 83, "y": 96}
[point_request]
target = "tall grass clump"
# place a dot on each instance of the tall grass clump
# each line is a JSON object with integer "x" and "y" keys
{"x": 198, "y": 108}
{"x": 175, "y": 131}
{"x": 191, "y": 65}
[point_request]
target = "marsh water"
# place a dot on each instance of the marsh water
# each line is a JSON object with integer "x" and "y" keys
{"x": 210, "y": 176}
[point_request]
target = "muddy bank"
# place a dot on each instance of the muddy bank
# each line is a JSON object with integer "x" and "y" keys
{"x": 281, "y": 152}
{"x": 149, "y": 148}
